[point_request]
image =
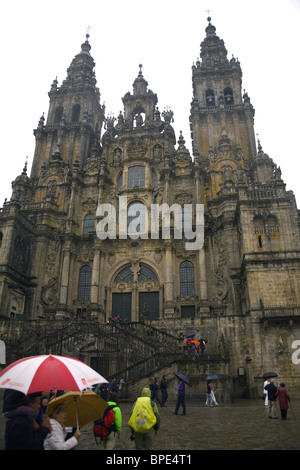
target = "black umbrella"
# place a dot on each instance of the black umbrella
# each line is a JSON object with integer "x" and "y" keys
{"x": 268, "y": 375}
{"x": 183, "y": 377}
{"x": 212, "y": 377}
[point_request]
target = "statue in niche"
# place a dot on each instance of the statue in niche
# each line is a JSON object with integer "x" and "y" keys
{"x": 139, "y": 120}
{"x": 117, "y": 155}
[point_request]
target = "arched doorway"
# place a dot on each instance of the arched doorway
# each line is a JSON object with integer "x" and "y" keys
{"x": 135, "y": 294}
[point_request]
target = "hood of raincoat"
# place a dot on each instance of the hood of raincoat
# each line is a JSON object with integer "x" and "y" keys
{"x": 146, "y": 392}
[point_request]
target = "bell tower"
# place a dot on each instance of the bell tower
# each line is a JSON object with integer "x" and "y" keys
{"x": 75, "y": 116}
{"x": 218, "y": 107}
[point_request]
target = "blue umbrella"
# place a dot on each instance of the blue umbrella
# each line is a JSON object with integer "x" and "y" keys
{"x": 212, "y": 377}
{"x": 190, "y": 336}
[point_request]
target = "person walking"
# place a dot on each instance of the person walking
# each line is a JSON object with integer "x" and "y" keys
{"x": 209, "y": 396}
{"x": 146, "y": 408}
{"x": 272, "y": 389}
{"x": 284, "y": 398}
{"x": 213, "y": 396}
{"x": 109, "y": 441}
{"x": 164, "y": 391}
{"x": 180, "y": 397}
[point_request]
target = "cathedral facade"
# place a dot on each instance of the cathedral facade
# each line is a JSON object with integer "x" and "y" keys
{"x": 62, "y": 257}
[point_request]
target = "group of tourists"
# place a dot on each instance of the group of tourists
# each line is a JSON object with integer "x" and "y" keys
{"x": 155, "y": 386}
{"x": 28, "y": 426}
{"x": 271, "y": 393}
{"x": 195, "y": 348}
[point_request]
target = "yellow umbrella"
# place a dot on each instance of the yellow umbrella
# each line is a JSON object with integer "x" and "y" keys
{"x": 82, "y": 407}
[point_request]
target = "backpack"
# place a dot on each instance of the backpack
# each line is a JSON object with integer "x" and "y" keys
{"x": 142, "y": 417}
{"x": 105, "y": 425}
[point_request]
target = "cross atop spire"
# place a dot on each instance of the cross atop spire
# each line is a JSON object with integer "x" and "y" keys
{"x": 88, "y": 31}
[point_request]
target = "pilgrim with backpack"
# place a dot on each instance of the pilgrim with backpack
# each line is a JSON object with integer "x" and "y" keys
{"x": 109, "y": 427}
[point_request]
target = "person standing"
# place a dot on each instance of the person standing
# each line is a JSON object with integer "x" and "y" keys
{"x": 154, "y": 391}
{"x": 164, "y": 391}
{"x": 22, "y": 431}
{"x": 284, "y": 398}
{"x": 272, "y": 389}
{"x": 56, "y": 439}
{"x": 266, "y": 394}
{"x": 180, "y": 397}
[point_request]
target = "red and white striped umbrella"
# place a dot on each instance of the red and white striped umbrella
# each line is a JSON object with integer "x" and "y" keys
{"x": 38, "y": 373}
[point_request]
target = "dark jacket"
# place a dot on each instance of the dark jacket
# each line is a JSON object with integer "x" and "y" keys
{"x": 271, "y": 389}
{"x": 19, "y": 432}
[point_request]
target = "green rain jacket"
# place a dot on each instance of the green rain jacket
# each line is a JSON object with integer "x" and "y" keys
{"x": 118, "y": 416}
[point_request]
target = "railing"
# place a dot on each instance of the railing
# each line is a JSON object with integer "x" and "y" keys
{"x": 279, "y": 312}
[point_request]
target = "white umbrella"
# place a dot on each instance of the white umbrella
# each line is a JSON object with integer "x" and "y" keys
{"x": 38, "y": 373}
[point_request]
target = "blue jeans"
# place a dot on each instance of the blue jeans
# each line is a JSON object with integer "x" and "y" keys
{"x": 209, "y": 401}
{"x": 165, "y": 395}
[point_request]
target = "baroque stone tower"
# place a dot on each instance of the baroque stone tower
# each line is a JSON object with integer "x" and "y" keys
{"x": 241, "y": 288}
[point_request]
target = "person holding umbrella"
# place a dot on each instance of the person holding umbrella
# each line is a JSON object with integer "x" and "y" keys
{"x": 272, "y": 389}
{"x": 56, "y": 439}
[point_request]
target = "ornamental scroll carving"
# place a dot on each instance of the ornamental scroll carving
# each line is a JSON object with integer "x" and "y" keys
{"x": 49, "y": 293}
{"x": 221, "y": 288}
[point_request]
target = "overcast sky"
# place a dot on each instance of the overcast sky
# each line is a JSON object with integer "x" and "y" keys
{"x": 40, "y": 39}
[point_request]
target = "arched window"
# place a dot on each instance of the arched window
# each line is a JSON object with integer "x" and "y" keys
{"x": 1, "y": 238}
{"x": 136, "y": 176}
{"x": 146, "y": 273}
{"x": 136, "y": 217}
{"x": 210, "y": 98}
{"x": 259, "y": 224}
{"x": 272, "y": 225}
{"x": 58, "y": 114}
{"x": 187, "y": 279}
{"x": 228, "y": 95}
{"x": 125, "y": 275}
{"x": 89, "y": 224}
{"x": 75, "y": 113}
{"x": 85, "y": 281}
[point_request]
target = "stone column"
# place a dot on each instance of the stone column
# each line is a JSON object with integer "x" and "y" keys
{"x": 202, "y": 274}
{"x": 95, "y": 276}
{"x": 63, "y": 297}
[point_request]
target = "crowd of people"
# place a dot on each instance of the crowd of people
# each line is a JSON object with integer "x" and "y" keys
{"x": 29, "y": 427}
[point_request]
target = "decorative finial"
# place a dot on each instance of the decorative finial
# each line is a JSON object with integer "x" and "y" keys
{"x": 209, "y": 18}
{"x": 88, "y": 32}
{"x": 140, "y": 72}
{"x": 25, "y": 167}
{"x": 259, "y": 144}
